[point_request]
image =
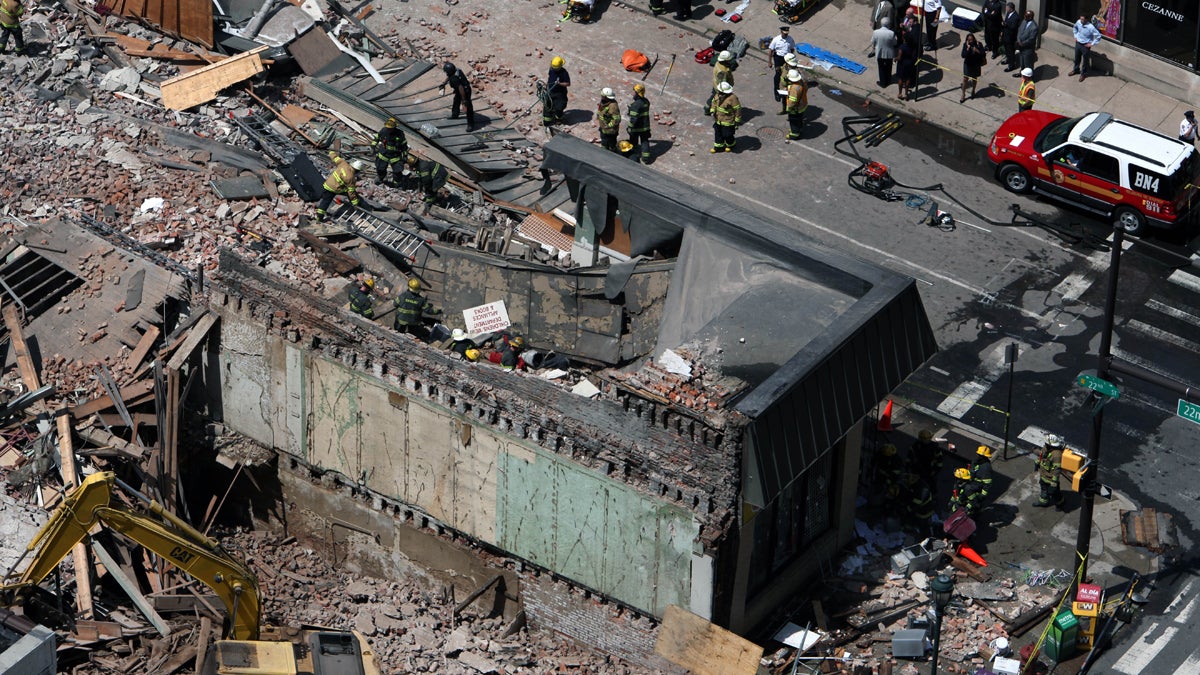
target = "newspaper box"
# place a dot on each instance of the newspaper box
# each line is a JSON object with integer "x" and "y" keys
{"x": 1060, "y": 642}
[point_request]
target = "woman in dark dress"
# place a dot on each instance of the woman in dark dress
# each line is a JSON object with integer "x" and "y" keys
{"x": 973, "y": 56}
{"x": 906, "y": 62}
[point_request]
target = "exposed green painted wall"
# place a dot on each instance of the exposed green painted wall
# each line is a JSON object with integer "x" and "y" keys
{"x": 595, "y": 530}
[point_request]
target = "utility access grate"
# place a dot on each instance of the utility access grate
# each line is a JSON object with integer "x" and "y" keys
{"x": 770, "y": 133}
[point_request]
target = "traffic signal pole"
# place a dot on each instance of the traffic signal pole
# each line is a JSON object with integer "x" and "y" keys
{"x": 1087, "y": 489}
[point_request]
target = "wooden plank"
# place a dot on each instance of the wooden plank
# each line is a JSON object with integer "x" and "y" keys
{"x": 203, "y": 84}
{"x": 143, "y": 347}
{"x": 704, "y": 648}
{"x": 29, "y": 373}
{"x": 203, "y": 636}
{"x": 196, "y": 21}
{"x": 296, "y": 115}
{"x": 131, "y": 589}
{"x": 83, "y": 577}
{"x": 131, "y": 394}
{"x": 195, "y": 336}
{"x": 170, "y": 477}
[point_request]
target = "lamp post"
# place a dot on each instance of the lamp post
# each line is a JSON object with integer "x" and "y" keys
{"x": 943, "y": 590}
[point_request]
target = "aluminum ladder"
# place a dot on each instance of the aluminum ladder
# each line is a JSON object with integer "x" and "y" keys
{"x": 380, "y": 232}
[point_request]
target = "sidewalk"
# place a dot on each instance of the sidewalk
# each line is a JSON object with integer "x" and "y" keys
{"x": 845, "y": 31}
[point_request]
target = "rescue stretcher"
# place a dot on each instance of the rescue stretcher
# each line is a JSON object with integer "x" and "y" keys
{"x": 791, "y": 11}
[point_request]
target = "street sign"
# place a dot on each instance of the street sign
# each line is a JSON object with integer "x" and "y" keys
{"x": 1188, "y": 411}
{"x": 1102, "y": 387}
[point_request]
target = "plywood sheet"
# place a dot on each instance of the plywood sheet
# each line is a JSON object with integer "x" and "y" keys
{"x": 315, "y": 52}
{"x": 202, "y": 85}
{"x": 703, "y": 648}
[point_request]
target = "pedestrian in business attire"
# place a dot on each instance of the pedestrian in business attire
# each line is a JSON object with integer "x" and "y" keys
{"x": 933, "y": 13}
{"x": 906, "y": 62}
{"x": 993, "y": 17}
{"x": 1086, "y": 37}
{"x": 973, "y": 56}
{"x": 1187, "y": 128}
{"x": 883, "y": 10}
{"x": 883, "y": 42}
{"x": 1027, "y": 95}
{"x": 1008, "y": 35}
{"x": 779, "y": 47}
{"x": 1027, "y": 36}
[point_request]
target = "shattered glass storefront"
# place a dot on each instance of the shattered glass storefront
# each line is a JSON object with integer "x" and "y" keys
{"x": 1169, "y": 29}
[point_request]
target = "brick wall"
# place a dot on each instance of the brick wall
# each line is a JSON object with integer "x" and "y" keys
{"x": 589, "y": 620}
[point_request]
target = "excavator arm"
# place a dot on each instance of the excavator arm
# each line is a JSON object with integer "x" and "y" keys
{"x": 163, "y": 533}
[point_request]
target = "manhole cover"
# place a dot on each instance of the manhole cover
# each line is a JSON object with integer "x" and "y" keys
{"x": 769, "y": 133}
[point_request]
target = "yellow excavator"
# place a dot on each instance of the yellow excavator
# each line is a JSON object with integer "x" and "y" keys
{"x": 253, "y": 649}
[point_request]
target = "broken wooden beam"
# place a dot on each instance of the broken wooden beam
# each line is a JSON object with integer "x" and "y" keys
{"x": 203, "y": 84}
{"x": 143, "y": 347}
{"x": 131, "y": 395}
{"x": 195, "y": 336}
{"x": 131, "y": 589}
{"x": 331, "y": 259}
{"x": 25, "y": 364}
{"x": 83, "y": 576}
{"x": 203, "y": 636}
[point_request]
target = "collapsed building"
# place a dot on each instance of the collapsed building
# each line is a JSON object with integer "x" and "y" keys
{"x": 714, "y": 467}
{"x": 702, "y": 453}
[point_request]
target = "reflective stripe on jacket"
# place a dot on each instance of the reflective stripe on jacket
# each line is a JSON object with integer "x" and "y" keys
{"x": 639, "y": 115}
{"x": 728, "y": 110}
{"x": 609, "y": 115}
{"x": 797, "y": 101}
{"x": 341, "y": 179}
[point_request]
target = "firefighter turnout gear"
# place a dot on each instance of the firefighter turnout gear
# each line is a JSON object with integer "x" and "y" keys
{"x": 981, "y": 471}
{"x": 411, "y": 306}
{"x": 557, "y": 83}
{"x": 727, "y": 117}
{"x": 608, "y": 115}
{"x": 722, "y": 72}
{"x": 10, "y": 25}
{"x": 458, "y": 83}
{"x": 796, "y": 104}
{"x": 925, "y": 459}
{"x": 339, "y": 182}
{"x": 639, "y": 125}
{"x": 431, "y": 176}
{"x": 360, "y": 298}
{"x": 1049, "y": 465}
{"x": 391, "y": 146}
{"x": 965, "y": 495}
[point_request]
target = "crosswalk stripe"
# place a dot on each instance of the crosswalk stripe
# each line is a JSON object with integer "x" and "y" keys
{"x": 1165, "y": 336}
{"x": 1186, "y": 280}
{"x": 1142, "y": 652}
{"x": 1191, "y": 666}
{"x": 1173, "y": 312}
{"x": 1074, "y": 285}
{"x": 1183, "y": 616}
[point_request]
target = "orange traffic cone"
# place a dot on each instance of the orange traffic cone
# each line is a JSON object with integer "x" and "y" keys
{"x": 970, "y": 554}
{"x": 885, "y": 422}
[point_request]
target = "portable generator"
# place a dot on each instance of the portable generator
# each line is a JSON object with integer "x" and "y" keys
{"x": 873, "y": 178}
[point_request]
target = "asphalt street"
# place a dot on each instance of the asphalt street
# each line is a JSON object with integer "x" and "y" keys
{"x": 986, "y": 282}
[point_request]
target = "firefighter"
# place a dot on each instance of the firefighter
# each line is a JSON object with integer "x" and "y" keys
{"x": 965, "y": 495}
{"x": 981, "y": 470}
{"x": 1048, "y": 471}
{"x": 339, "y": 181}
{"x": 462, "y": 345}
{"x": 391, "y": 146}
{"x": 889, "y": 469}
{"x": 797, "y": 103}
{"x": 608, "y": 116}
{"x": 918, "y": 502}
{"x": 411, "y": 308}
{"x": 431, "y": 176}
{"x": 722, "y": 72}
{"x": 727, "y": 117}
{"x": 925, "y": 459}
{"x": 360, "y": 298}
{"x": 557, "y": 83}
{"x": 639, "y": 124}
{"x": 656, "y": 7}
{"x": 10, "y": 24}
{"x": 457, "y": 80}
{"x": 508, "y": 354}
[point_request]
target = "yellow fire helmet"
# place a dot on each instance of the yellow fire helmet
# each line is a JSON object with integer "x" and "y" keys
{"x": 888, "y": 450}
{"x": 984, "y": 451}
{"x": 639, "y": 89}
{"x": 962, "y": 474}
{"x": 472, "y": 354}
{"x": 390, "y": 123}
{"x": 414, "y": 285}
{"x": 557, "y": 62}
{"x": 369, "y": 282}
{"x": 925, "y": 435}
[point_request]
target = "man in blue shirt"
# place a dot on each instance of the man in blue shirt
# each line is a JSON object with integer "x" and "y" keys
{"x": 1086, "y": 36}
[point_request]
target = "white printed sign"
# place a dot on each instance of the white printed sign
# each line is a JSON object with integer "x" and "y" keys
{"x": 486, "y": 318}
